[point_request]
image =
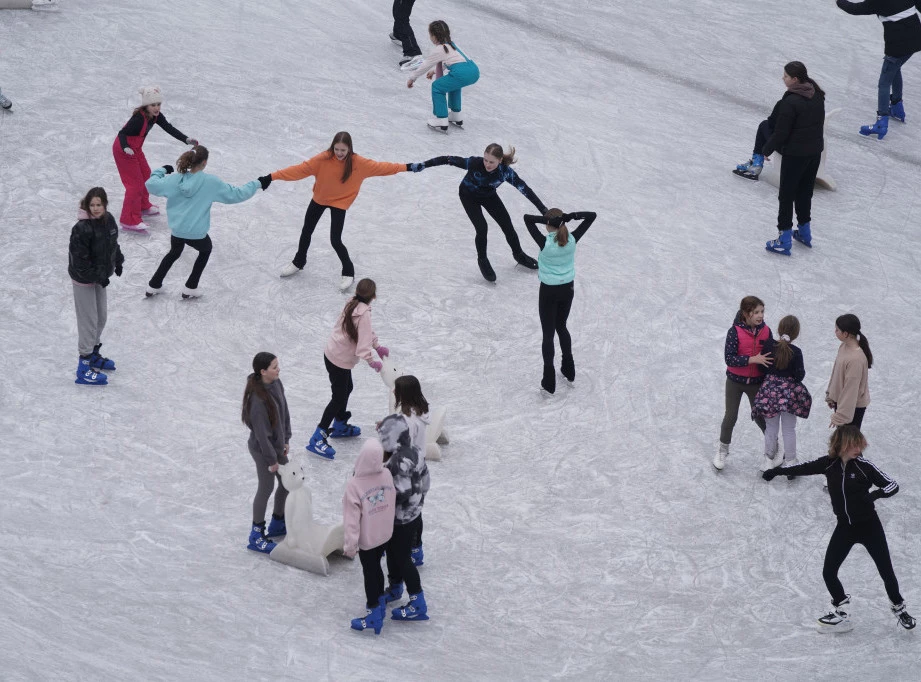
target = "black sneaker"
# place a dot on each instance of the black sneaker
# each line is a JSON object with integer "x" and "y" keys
{"x": 905, "y": 620}
{"x": 486, "y": 269}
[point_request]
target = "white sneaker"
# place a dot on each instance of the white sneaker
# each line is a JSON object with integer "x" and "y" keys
{"x": 456, "y": 118}
{"x": 412, "y": 64}
{"x": 345, "y": 282}
{"x": 289, "y": 269}
{"x": 140, "y": 228}
{"x": 152, "y": 291}
{"x": 5, "y": 102}
{"x": 153, "y": 210}
{"x": 438, "y": 124}
{"x": 719, "y": 461}
{"x": 837, "y": 620}
{"x": 190, "y": 293}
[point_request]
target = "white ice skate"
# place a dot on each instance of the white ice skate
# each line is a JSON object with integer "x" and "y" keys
{"x": 412, "y": 64}
{"x": 837, "y": 620}
{"x": 438, "y": 124}
{"x": 5, "y": 102}
{"x": 456, "y": 118}
{"x": 140, "y": 228}
{"x": 153, "y": 210}
{"x": 190, "y": 293}
{"x": 345, "y": 282}
{"x": 288, "y": 270}
{"x": 719, "y": 460}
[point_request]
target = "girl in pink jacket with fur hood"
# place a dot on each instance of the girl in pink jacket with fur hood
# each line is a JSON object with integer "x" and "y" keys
{"x": 368, "y": 509}
{"x": 352, "y": 340}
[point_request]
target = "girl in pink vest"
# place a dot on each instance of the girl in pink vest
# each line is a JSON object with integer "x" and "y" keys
{"x": 368, "y": 510}
{"x": 745, "y": 363}
{"x": 131, "y": 162}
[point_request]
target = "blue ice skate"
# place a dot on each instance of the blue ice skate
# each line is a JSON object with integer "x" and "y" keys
{"x": 374, "y": 618}
{"x": 880, "y": 128}
{"x": 258, "y": 542}
{"x": 897, "y": 111}
{"x": 277, "y": 528}
{"x": 394, "y": 593}
{"x": 782, "y": 244}
{"x": 87, "y": 375}
{"x": 803, "y": 234}
{"x": 342, "y": 428}
{"x": 417, "y": 556}
{"x": 319, "y": 446}
{"x": 751, "y": 169}
{"x": 99, "y": 362}
{"x": 414, "y": 610}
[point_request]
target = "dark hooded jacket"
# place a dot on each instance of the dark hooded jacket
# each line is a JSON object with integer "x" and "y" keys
{"x": 94, "y": 251}
{"x": 799, "y": 123}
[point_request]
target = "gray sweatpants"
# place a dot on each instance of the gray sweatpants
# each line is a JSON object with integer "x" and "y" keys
{"x": 90, "y": 302}
{"x": 266, "y": 485}
{"x": 734, "y": 393}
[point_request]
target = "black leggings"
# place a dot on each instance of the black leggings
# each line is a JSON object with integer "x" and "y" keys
{"x": 266, "y": 485}
{"x": 373, "y": 573}
{"x": 340, "y": 380}
{"x": 858, "y": 417}
{"x": 336, "y": 225}
{"x": 400, "y": 566}
{"x": 871, "y": 535}
{"x": 176, "y": 244}
{"x": 765, "y": 130}
{"x": 554, "y": 302}
{"x": 797, "y": 182}
{"x": 495, "y": 208}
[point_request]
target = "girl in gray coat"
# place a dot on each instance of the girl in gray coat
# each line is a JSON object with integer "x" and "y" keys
{"x": 265, "y": 412}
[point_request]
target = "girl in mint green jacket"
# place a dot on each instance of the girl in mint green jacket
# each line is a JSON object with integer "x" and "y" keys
{"x": 556, "y": 269}
{"x": 189, "y": 196}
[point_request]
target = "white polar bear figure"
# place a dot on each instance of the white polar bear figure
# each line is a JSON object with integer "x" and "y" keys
{"x": 771, "y": 172}
{"x": 307, "y": 543}
{"x": 435, "y": 434}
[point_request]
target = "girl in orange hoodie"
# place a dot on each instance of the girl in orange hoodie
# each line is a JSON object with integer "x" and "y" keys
{"x": 339, "y": 173}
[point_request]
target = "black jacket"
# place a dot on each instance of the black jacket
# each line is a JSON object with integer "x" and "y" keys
{"x": 94, "y": 251}
{"x": 901, "y": 25}
{"x": 848, "y": 485}
{"x": 799, "y": 123}
{"x": 796, "y": 370}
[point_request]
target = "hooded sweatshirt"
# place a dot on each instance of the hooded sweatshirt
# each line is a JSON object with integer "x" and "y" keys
{"x": 189, "y": 197}
{"x": 369, "y": 501}
{"x": 848, "y": 386}
{"x": 345, "y": 353}
{"x": 406, "y": 463}
{"x": 799, "y": 122}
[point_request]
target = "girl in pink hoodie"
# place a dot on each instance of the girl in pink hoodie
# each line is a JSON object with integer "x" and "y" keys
{"x": 352, "y": 340}
{"x": 368, "y": 510}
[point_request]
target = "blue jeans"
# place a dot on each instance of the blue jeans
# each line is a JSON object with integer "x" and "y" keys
{"x": 446, "y": 91}
{"x": 890, "y": 81}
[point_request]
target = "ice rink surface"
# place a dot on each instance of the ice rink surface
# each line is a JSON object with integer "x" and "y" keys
{"x": 584, "y": 537}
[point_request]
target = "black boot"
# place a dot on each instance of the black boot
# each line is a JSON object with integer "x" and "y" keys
{"x": 524, "y": 259}
{"x": 488, "y": 273}
{"x": 568, "y": 368}
{"x": 548, "y": 383}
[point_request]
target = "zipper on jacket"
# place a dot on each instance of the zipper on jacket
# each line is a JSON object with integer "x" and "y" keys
{"x": 843, "y": 496}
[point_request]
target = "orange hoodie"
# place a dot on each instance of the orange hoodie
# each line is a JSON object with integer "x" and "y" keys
{"x": 328, "y": 188}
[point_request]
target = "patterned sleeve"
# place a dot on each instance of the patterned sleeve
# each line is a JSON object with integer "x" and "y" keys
{"x": 731, "y": 351}
{"x": 512, "y": 178}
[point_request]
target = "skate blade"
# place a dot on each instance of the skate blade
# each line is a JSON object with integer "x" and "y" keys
{"x": 438, "y": 129}
{"x": 745, "y": 174}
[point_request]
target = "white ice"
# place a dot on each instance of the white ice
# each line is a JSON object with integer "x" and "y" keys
{"x": 582, "y": 537}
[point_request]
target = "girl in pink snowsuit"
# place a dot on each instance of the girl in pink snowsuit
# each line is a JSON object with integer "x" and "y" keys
{"x": 131, "y": 162}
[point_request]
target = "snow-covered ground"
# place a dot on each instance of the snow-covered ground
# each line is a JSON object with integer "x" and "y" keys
{"x": 585, "y": 536}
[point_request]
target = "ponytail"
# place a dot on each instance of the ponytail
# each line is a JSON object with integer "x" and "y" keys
{"x": 561, "y": 236}
{"x": 365, "y": 292}
{"x": 788, "y": 330}
{"x": 495, "y": 149}
{"x": 255, "y": 386}
{"x": 196, "y": 156}
{"x": 850, "y": 324}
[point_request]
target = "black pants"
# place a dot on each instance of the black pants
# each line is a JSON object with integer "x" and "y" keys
{"x": 176, "y": 244}
{"x": 797, "y": 182}
{"x": 494, "y": 207}
{"x": 266, "y": 485}
{"x": 858, "y": 417}
{"x": 553, "y": 303}
{"x": 400, "y": 566}
{"x": 417, "y": 538}
{"x": 765, "y": 130}
{"x": 340, "y": 380}
{"x": 336, "y": 224}
{"x": 373, "y": 573}
{"x": 871, "y": 535}
{"x": 401, "y": 28}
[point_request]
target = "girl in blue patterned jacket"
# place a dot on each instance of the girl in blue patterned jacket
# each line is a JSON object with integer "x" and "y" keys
{"x": 478, "y": 191}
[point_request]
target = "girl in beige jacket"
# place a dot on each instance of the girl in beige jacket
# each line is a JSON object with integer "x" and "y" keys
{"x": 848, "y": 393}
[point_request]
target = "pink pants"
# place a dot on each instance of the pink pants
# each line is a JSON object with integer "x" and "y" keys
{"x": 134, "y": 172}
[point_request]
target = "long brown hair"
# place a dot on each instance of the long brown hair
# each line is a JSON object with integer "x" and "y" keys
{"x": 562, "y": 232}
{"x": 92, "y": 194}
{"x": 495, "y": 149}
{"x": 196, "y": 156}
{"x": 143, "y": 111}
{"x": 798, "y": 71}
{"x": 844, "y": 438}
{"x": 441, "y": 33}
{"x": 255, "y": 386}
{"x": 342, "y": 137}
{"x": 408, "y": 395}
{"x": 850, "y": 323}
{"x": 365, "y": 292}
{"x": 783, "y": 354}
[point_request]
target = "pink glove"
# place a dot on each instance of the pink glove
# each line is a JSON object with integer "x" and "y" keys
{"x": 383, "y": 351}
{"x": 376, "y": 365}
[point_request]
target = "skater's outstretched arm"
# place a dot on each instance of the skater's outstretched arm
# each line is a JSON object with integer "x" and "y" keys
{"x": 587, "y": 218}
{"x": 816, "y": 466}
{"x": 156, "y": 183}
{"x": 512, "y": 178}
{"x": 172, "y": 130}
{"x": 298, "y": 171}
{"x": 531, "y": 222}
{"x": 456, "y": 161}
{"x": 229, "y": 194}
{"x": 368, "y": 168}
{"x": 858, "y": 8}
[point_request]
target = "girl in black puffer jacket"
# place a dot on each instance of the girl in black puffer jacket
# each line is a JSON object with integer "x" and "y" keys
{"x": 850, "y": 478}
{"x": 94, "y": 258}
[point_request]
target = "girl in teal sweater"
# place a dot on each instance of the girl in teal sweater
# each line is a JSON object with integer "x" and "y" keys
{"x": 556, "y": 269}
{"x": 189, "y": 196}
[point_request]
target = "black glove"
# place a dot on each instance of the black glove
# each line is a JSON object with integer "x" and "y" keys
{"x": 265, "y": 181}
{"x": 168, "y": 168}
{"x": 770, "y": 474}
{"x": 567, "y": 217}
{"x": 104, "y": 283}
{"x": 118, "y": 270}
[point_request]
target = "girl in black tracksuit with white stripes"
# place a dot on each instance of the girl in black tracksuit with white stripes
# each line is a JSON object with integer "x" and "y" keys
{"x": 850, "y": 478}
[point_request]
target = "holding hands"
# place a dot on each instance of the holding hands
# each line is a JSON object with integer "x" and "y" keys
{"x": 265, "y": 181}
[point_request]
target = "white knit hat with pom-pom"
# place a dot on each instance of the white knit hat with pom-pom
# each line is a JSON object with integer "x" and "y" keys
{"x": 150, "y": 94}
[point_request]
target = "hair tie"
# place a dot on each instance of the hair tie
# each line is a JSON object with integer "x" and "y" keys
{"x": 784, "y": 337}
